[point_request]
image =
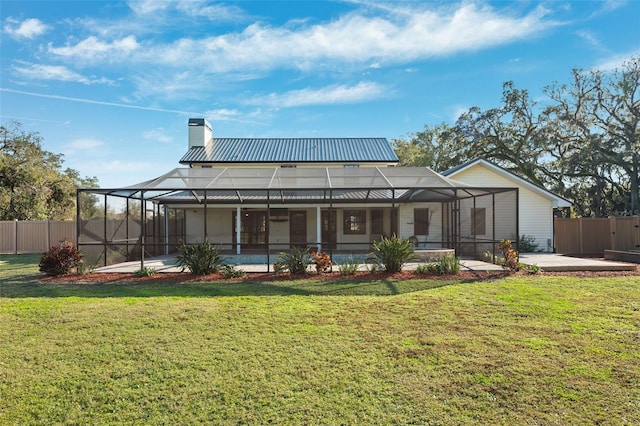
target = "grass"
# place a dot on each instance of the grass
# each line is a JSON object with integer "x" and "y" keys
{"x": 518, "y": 350}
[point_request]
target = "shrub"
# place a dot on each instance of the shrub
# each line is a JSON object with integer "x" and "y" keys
{"x": 200, "y": 258}
{"x": 85, "y": 268}
{"x": 391, "y": 253}
{"x": 295, "y": 261}
{"x": 423, "y": 268}
{"x": 144, "y": 272}
{"x": 60, "y": 260}
{"x": 322, "y": 261}
{"x": 511, "y": 259}
{"x": 348, "y": 266}
{"x": 230, "y": 271}
{"x": 532, "y": 269}
{"x": 447, "y": 265}
{"x": 527, "y": 244}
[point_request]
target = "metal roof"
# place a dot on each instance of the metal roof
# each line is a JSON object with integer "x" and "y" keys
{"x": 292, "y": 150}
{"x": 291, "y": 185}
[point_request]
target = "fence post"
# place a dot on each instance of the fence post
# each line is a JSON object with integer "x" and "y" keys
{"x": 612, "y": 234}
{"x": 15, "y": 235}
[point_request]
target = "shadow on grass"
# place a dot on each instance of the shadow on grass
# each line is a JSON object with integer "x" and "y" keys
{"x": 19, "y": 278}
{"x": 32, "y": 285}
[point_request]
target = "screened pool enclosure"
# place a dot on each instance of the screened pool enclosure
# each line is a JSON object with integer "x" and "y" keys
{"x": 264, "y": 211}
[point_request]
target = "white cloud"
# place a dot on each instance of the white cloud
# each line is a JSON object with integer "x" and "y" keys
{"x": 157, "y": 135}
{"x": 29, "y": 28}
{"x": 146, "y": 7}
{"x": 222, "y": 114}
{"x": 193, "y": 8}
{"x": 353, "y": 38}
{"x": 616, "y": 62}
{"x": 84, "y": 144}
{"x": 91, "y": 49}
{"x": 189, "y": 67}
{"x": 590, "y": 38}
{"x": 56, "y": 72}
{"x": 337, "y": 94}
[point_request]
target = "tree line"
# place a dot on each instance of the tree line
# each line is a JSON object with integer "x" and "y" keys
{"x": 33, "y": 183}
{"x": 582, "y": 142}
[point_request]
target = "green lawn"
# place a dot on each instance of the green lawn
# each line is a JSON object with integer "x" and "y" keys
{"x": 518, "y": 350}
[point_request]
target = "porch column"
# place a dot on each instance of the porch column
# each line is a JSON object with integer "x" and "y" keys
{"x": 166, "y": 230}
{"x": 319, "y": 229}
{"x": 238, "y": 224}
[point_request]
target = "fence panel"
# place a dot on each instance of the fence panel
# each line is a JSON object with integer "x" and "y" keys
{"x": 595, "y": 235}
{"x": 8, "y": 236}
{"x": 34, "y": 236}
{"x": 567, "y": 235}
{"x": 60, "y": 230}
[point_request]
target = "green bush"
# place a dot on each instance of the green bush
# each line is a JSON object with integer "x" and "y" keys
{"x": 391, "y": 253}
{"x": 348, "y": 266}
{"x": 527, "y": 244}
{"x": 447, "y": 265}
{"x": 60, "y": 260}
{"x": 144, "y": 272}
{"x": 200, "y": 258}
{"x": 295, "y": 261}
{"x": 230, "y": 271}
{"x": 85, "y": 268}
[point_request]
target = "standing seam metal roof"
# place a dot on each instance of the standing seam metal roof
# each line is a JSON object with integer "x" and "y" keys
{"x": 288, "y": 150}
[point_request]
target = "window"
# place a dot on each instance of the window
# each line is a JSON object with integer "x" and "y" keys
{"x": 355, "y": 222}
{"x": 420, "y": 221}
{"x": 351, "y": 166}
{"x": 478, "y": 221}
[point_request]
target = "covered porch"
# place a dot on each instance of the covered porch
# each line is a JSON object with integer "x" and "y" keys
{"x": 268, "y": 210}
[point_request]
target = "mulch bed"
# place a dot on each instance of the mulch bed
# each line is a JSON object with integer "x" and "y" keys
{"x": 175, "y": 277}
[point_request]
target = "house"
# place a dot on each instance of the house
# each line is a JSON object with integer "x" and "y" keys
{"x": 535, "y": 204}
{"x": 261, "y": 195}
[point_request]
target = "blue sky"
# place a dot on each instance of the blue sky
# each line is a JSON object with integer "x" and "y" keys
{"x": 112, "y": 84}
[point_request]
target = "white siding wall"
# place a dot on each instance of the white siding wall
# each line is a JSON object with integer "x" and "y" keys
{"x": 536, "y": 211}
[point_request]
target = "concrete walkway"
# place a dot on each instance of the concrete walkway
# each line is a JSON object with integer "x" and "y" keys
{"x": 560, "y": 263}
{"x": 545, "y": 261}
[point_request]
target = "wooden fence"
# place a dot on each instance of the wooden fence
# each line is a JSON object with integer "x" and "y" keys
{"x": 34, "y": 236}
{"x": 595, "y": 235}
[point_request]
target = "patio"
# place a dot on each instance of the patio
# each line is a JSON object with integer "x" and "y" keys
{"x": 257, "y": 264}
